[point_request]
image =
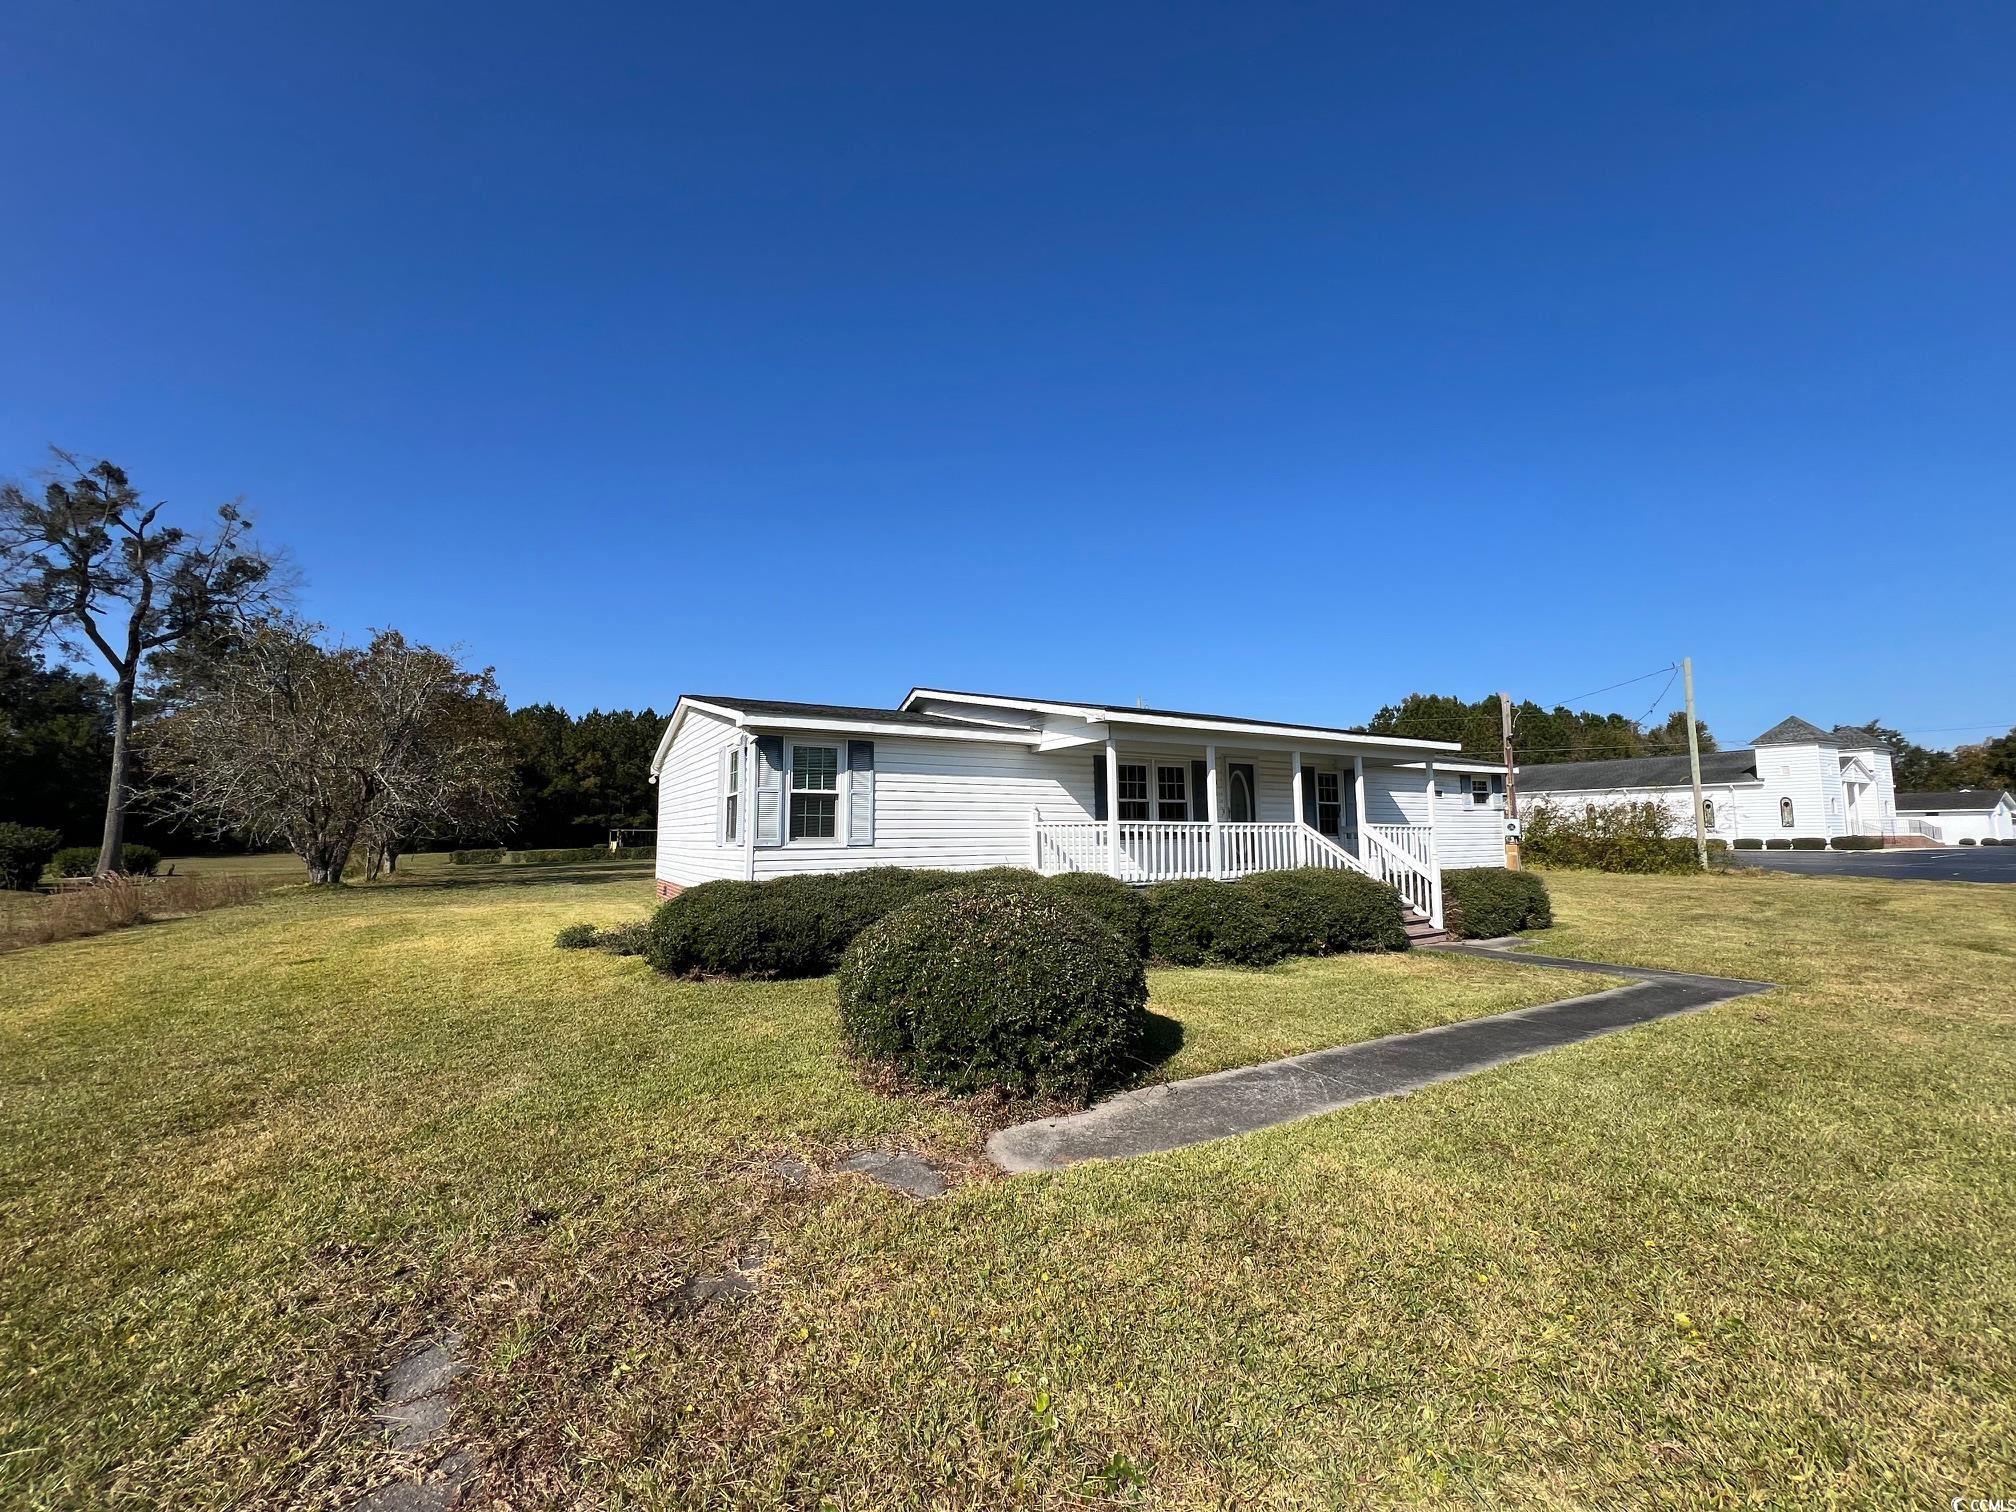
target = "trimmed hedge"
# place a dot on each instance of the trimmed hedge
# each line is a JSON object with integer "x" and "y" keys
{"x": 1776, "y": 843}
{"x": 1484, "y": 902}
{"x": 1203, "y": 923}
{"x": 82, "y": 861}
{"x": 1749, "y": 844}
{"x": 1809, "y": 842}
{"x": 1991, "y": 840}
{"x": 1315, "y": 911}
{"x": 1967, "y": 840}
{"x": 1858, "y": 842}
{"x": 1002, "y": 986}
{"x": 25, "y": 850}
{"x": 1121, "y": 908}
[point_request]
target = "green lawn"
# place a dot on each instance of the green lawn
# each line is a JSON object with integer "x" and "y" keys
{"x": 1759, "y": 1254}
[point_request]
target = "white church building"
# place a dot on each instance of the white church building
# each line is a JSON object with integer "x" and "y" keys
{"x": 1795, "y": 779}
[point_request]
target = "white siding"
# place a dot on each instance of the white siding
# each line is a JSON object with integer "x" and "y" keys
{"x": 1466, "y": 834}
{"x": 957, "y": 805}
{"x": 688, "y": 790}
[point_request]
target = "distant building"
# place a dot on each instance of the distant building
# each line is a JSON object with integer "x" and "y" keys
{"x": 1794, "y": 779}
{"x": 1970, "y": 814}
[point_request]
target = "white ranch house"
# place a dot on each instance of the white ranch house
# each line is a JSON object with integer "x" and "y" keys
{"x": 756, "y": 788}
{"x": 1794, "y": 779}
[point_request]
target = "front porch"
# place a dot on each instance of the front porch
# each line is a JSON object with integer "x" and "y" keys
{"x": 1157, "y": 817}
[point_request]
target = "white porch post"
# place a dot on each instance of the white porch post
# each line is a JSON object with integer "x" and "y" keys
{"x": 1358, "y": 799}
{"x": 1112, "y": 807}
{"x": 1211, "y": 810}
{"x": 1434, "y": 857}
{"x": 1295, "y": 770}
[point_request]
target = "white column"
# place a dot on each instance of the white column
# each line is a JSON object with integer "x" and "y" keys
{"x": 1036, "y": 839}
{"x": 1358, "y": 798}
{"x": 1211, "y": 810}
{"x": 1295, "y": 772}
{"x": 1112, "y": 807}
{"x": 748, "y": 807}
{"x": 1434, "y": 857}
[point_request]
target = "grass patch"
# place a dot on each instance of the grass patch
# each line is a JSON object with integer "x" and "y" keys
{"x": 1758, "y": 1253}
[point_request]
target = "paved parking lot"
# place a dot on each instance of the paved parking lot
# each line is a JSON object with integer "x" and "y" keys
{"x": 1966, "y": 863}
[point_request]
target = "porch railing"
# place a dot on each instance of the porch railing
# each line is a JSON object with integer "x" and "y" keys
{"x": 1400, "y": 855}
{"x": 1403, "y": 857}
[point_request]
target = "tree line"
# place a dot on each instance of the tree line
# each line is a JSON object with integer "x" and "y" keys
{"x": 220, "y": 718}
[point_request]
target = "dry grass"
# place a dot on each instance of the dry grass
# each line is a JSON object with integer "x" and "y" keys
{"x": 117, "y": 902}
{"x": 1757, "y": 1255}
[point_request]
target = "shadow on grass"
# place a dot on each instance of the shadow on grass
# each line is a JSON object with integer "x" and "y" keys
{"x": 1160, "y": 1041}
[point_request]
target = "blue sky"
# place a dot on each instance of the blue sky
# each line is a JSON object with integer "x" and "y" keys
{"x": 1279, "y": 359}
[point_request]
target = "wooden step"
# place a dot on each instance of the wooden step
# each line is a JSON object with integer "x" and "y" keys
{"x": 1421, "y": 932}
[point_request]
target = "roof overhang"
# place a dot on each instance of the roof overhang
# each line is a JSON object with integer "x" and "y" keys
{"x": 1393, "y": 747}
{"x": 786, "y": 723}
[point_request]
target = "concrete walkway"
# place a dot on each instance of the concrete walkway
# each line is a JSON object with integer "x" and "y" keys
{"x": 1259, "y": 1097}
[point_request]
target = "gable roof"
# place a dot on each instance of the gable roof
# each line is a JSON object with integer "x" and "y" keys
{"x": 1636, "y": 771}
{"x": 1792, "y": 730}
{"x": 1967, "y": 800}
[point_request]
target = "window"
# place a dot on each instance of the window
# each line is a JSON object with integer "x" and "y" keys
{"x": 1480, "y": 792}
{"x": 815, "y": 791}
{"x": 1133, "y": 793}
{"x": 1329, "y": 806}
{"x": 1708, "y": 813}
{"x": 1172, "y": 800}
{"x": 1785, "y": 812}
{"x": 732, "y": 806}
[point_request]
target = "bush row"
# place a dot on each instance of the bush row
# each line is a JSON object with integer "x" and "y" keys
{"x": 1485, "y": 902}
{"x": 1611, "y": 837}
{"x": 801, "y": 926}
{"x": 82, "y": 861}
{"x": 572, "y": 855}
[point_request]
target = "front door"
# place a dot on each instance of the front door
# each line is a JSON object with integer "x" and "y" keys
{"x": 1240, "y": 809}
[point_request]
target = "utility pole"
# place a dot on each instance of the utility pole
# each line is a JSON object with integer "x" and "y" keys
{"x": 1694, "y": 764}
{"x": 1511, "y": 782}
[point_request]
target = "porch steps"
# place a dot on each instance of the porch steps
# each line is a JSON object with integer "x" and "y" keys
{"x": 1420, "y": 931}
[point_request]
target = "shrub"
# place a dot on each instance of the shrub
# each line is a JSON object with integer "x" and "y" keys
{"x": 115, "y": 902}
{"x": 24, "y": 851}
{"x": 1858, "y": 842}
{"x": 1991, "y": 840}
{"x": 82, "y": 861}
{"x": 1749, "y": 844}
{"x": 1002, "y": 986}
{"x": 1611, "y": 837}
{"x": 1809, "y": 842}
{"x": 1777, "y": 843}
{"x": 567, "y": 855}
{"x": 75, "y": 861}
{"x": 1716, "y": 847}
{"x": 1484, "y": 902}
{"x": 576, "y": 937}
{"x": 1215, "y": 923}
{"x": 786, "y": 927}
{"x": 1966, "y": 839}
{"x": 1314, "y": 911}
{"x": 476, "y": 857}
{"x": 1121, "y": 908}
{"x": 625, "y": 939}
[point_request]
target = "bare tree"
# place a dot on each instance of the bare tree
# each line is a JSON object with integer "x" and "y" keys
{"x": 333, "y": 749}
{"x": 88, "y": 563}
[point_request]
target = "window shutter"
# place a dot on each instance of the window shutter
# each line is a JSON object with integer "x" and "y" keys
{"x": 1309, "y": 796}
{"x": 1098, "y": 787}
{"x": 1200, "y": 799}
{"x": 721, "y": 797}
{"x": 769, "y": 789}
{"x": 860, "y": 792}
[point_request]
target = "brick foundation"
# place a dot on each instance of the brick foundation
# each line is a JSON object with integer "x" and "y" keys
{"x": 668, "y": 890}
